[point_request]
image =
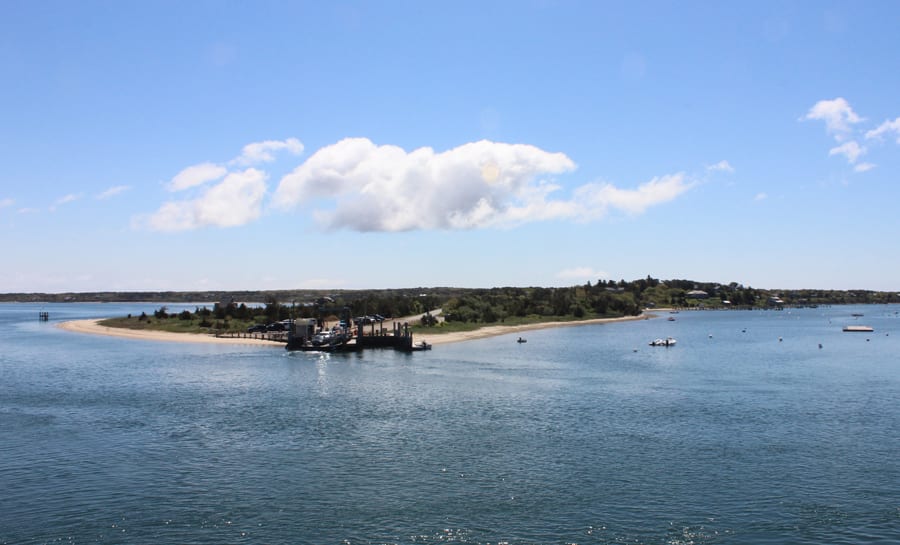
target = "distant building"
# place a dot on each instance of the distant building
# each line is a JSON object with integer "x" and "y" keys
{"x": 697, "y": 294}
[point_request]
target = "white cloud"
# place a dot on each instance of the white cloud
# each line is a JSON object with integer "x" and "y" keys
{"x": 196, "y": 175}
{"x": 887, "y": 127}
{"x": 236, "y": 200}
{"x": 6, "y": 202}
{"x": 594, "y": 200}
{"x": 721, "y": 166}
{"x": 262, "y": 152}
{"x": 760, "y": 197}
{"x": 582, "y": 274}
{"x": 851, "y": 150}
{"x": 251, "y": 154}
{"x": 863, "y": 167}
{"x": 837, "y": 115}
{"x": 385, "y": 188}
{"x": 357, "y": 185}
{"x": 365, "y": 187}
{"x": 112, "y": 191}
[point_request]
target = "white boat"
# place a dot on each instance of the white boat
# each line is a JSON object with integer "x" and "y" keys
{"x": 668, "y": 341}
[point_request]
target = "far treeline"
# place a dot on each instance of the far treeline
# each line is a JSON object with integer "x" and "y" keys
{"x": 605, "y": 298}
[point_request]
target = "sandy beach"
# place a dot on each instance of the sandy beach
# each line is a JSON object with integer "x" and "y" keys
{"x": 93, "y": 327}
{"x": 496, "y": 330}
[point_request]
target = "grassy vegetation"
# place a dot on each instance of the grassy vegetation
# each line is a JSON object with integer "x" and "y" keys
{"x": 471, "y": 309}
{"x": 196, "y": 324}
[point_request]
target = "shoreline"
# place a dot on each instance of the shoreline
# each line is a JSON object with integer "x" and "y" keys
{"x": 499, "y": 330}
{"x": 92, "y": 327}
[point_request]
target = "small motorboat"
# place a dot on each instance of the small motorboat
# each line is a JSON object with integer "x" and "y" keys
{"x": 668, "y": 341}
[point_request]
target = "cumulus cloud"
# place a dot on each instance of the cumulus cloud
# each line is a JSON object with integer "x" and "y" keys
{"x": 839, "y": 119}
{"x": 236, "y": 200}
{"x": 196, "y": 175}
{"x": 886, "y": 128}
{"x": 263, "y": 152}
{"x": 582, "y": 274}
{"x": 837, "y": 115}
{"x": 6, "y": 202}
{"x": 366, "y": 187}
{"x": 112, "y": 191}
{"x": 251, "y": 154}
{"x": 851, "y": 150}
{"x": 357, "y": 185}
{"x": 760, "y": 197}
{"x": 385, "y": 188}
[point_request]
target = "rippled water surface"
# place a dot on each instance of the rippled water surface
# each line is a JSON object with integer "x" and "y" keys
{"x": 745, "y": 432}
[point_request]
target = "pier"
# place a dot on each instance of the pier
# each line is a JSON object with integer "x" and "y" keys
{"x": 399, "y": 339}
{"x": 304, "y": 336}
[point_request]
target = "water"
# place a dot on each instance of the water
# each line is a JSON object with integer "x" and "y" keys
{"x": 581, "y": 435}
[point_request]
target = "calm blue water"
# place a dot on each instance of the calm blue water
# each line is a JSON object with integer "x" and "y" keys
{"x": 582, "y": 435}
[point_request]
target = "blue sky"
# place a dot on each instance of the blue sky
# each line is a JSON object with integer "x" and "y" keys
{"x": 278, "y": 145}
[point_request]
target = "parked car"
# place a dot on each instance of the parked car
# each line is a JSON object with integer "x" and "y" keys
{"x": 258, "y": 328}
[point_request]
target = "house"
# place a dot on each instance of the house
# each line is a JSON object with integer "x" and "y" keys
{"x": 697, "y": 294}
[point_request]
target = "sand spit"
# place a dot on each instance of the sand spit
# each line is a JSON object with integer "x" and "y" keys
{"x": 93, "y": 327}
{"x": 497, "y": 330}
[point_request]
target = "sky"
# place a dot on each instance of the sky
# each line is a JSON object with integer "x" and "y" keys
{"x": 264, "y": 145}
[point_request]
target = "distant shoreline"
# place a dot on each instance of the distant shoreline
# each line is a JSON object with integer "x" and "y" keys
{"x": 92, "y": 327}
